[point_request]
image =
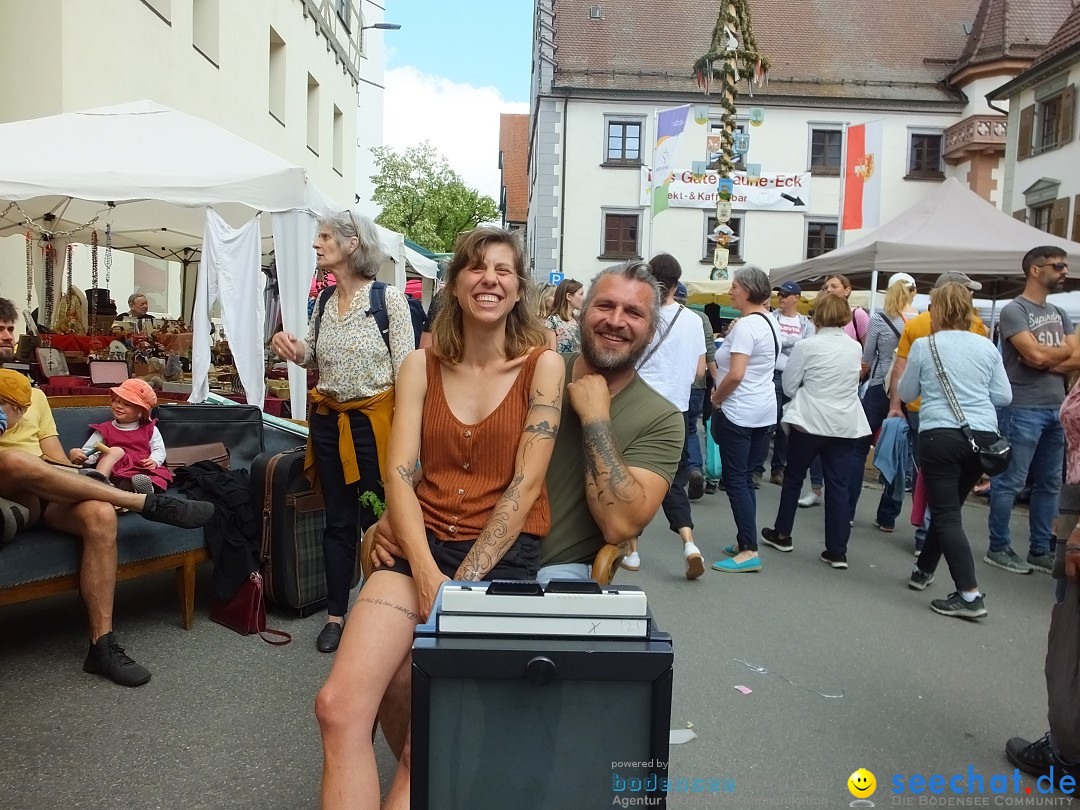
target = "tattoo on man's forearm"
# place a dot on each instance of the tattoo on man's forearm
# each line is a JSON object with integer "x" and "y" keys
{"x": 605, "y": 469}
{"x": 384, "y": 603}
{"x": 496, "y": 537}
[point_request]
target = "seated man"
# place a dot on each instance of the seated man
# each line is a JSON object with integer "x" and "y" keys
{"x": 615, "y": 457}
{"x": 138, "y": 306}
{"x": 32, "y": 490}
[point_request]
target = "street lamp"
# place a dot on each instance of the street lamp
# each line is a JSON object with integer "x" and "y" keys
{"x": 383, "y": 26}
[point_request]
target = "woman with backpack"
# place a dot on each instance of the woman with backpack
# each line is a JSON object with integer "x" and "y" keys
{"x": 353, "y": 403}
{"x": 882, "y": 337}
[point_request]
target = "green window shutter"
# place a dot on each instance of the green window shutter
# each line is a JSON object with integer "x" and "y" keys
{"x": 1059, "y": 217}
{"x": 1027, "y": 130}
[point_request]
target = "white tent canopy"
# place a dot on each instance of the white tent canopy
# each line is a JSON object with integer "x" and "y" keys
{"x": 951, "y": 228}
{"x": 151, "y": 173}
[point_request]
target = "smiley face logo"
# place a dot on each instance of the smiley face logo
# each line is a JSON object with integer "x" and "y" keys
{"x": 862, "y": 784}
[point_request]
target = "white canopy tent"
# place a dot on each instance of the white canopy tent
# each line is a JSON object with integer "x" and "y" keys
{"x": 152, "y": 174}
{"x": 951, "y": 228}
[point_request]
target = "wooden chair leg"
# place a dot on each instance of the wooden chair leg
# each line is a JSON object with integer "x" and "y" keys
{"x": 185, "y": 587}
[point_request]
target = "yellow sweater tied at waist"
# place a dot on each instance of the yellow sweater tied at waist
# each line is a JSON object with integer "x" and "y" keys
{"x": 379, "y": 410}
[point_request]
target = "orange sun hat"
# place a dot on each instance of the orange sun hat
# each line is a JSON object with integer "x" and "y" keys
{"x": 137, "y": 393}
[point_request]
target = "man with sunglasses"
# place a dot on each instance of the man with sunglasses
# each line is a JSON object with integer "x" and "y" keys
{"x": 1037, "y": 345}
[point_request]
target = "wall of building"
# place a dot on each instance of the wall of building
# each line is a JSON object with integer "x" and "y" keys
{"x": 780, "y": 145}
{"x": 208, "y": 58}
{"x": 1061, "y": 164}
{"x": 369, "y": 104}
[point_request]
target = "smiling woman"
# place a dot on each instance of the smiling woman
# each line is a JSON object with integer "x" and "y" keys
{"x": 473, "y": 431}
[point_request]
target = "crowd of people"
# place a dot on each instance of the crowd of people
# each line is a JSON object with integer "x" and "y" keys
{"x": 535, "y": 426}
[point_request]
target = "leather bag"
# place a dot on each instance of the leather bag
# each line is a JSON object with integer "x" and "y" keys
{"x": 246, "y": 612}
{"x": 179, "y": 457}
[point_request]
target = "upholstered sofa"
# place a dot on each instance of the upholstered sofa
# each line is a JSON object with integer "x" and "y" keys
{"x": 41, "y": 562}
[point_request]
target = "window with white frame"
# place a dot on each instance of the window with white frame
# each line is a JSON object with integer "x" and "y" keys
{"x": 735, "y": 249}
{"x": 924, "y": 155}
{"x": 623, "y": 140}
{"x": 821, "y": 236}
{"x": 620, "y": 234}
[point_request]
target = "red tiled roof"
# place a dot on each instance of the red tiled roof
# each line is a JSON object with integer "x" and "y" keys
{"x": 854, "y": 49}
{"x": 1068, "y": 36}
{"x": 514, "y": 145}
{"x": 1006, "y": 29}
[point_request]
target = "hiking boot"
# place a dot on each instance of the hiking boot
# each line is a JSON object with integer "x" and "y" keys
{"x": 696, "y": 485}
{"x": 108, "y": 658}
{"x": 919, "y": 580}
{"x": 1043, "y": 563}
{"x": 777, "y": 478}
{"x": 1035, "y": 758}
{"x": 770, "y": 537}
{"x": 833, "y": 559}
{"x": 756, "y": 480}
{"x": 177, "y": 512}
{"x": 1007, "y": 560}
{"x": 956, "y": 605}
{"x": 142, "y": 484}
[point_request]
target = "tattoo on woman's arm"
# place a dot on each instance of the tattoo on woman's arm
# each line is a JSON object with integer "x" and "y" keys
{"x": 496, "y": 536}
{"x": 407, "y": 476}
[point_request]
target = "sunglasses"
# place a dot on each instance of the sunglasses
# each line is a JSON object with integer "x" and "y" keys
{"x": 1059, "y": 266}
{"x": 352, "y": 219}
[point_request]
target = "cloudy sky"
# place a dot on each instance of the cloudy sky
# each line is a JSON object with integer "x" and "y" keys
{"x": 450, "y": 70}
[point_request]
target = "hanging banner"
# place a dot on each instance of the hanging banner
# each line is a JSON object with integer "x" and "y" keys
{"x": 669, "y": 126}
{"x": 769, "y": 192}
{"x": 862, "y": 177}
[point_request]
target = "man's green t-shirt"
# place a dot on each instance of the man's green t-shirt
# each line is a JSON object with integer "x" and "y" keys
{"x": 649, "y": 434}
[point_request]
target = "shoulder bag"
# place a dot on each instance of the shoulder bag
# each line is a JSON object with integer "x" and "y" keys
{"x": 995, "y": 454}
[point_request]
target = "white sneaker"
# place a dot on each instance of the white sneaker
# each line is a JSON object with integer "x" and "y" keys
{"x": 695, "y": 563}
{"x": 811, "y": 499}
{"x": 631, "y": 562}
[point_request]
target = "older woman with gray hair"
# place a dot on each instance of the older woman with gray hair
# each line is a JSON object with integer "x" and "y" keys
{"x": 354, "y": 400}
{"x": 744, "y": 407}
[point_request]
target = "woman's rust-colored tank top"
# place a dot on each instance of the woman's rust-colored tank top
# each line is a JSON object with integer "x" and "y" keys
{"x": 467, "y": 468}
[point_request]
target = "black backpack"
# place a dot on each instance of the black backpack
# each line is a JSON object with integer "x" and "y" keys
{"x": 377, "y": 311}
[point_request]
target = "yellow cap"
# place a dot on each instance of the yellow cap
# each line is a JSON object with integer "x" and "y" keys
{"x": 15, "y": 388}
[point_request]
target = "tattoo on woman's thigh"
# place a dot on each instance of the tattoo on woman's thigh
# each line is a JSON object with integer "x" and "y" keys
{"x": 385, "y": 603}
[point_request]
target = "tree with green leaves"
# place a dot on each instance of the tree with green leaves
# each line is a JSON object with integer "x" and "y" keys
{"x": 424, "y": 198}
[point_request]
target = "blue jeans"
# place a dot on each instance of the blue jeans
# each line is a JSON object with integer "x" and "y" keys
{"x": 875, "y": 404}
{"x": 563, "y": 571}
{"x": 1038, "y": 444}
{"x": 738, "y": 447}
{"x": 913, "y": 432}
{"x": 693, "y": 419}
{"x": 835, "y": 454}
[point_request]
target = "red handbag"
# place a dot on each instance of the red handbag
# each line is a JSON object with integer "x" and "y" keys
{"x": 246, "y": 612}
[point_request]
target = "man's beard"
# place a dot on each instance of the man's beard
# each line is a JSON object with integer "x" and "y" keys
{"x": 610, "y": 359}
{"x": 7, "y": 353}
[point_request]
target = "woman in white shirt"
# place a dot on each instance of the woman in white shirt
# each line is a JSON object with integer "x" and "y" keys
{"x": 744, "y": 403}
{"x": 824, "y": 418}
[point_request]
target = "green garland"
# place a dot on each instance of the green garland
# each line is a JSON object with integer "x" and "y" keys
{"x": 720, "y": 64}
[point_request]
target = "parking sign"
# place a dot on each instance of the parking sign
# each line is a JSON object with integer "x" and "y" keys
{"x": 555, "y": 278}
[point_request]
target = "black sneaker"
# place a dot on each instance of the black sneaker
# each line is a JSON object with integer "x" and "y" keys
{"x": 177, "y": 512}
{"x": 1035, "y": 758}
{"x": 835, "y": 560}
{"x": 108, "y": 658}
{"x": 710, "y": 487}
{"x": 696, "y": 485}
{"x": 956, "y": 605}
{"x": 919, "y": 580}
{"x": 142, "y": 484}
{"x": 770, "y": 538}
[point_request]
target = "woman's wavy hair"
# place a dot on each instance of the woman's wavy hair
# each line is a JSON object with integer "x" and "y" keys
{"x": 369, "y": 255}
{"x": 898, "y": 298}
{"x": 951, "y": 307}
{"x": 561, "y": 306}
{"x": 524, "y": 330}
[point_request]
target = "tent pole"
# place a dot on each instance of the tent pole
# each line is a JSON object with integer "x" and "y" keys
{"x": 843, "y": 170}
{"x": 873, "y": 291}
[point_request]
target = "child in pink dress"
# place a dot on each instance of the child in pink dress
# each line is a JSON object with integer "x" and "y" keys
{"x": 128, "y": 451}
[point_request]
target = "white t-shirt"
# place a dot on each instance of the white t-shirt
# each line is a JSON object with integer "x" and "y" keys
{"x": 791, "y": 332}
{"x": 753, "y": 403}
{"x": 672, "y": 368}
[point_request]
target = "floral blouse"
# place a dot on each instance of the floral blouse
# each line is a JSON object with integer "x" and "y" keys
{"x": 351, "y": 355}
{"x": 567, "y": 334}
